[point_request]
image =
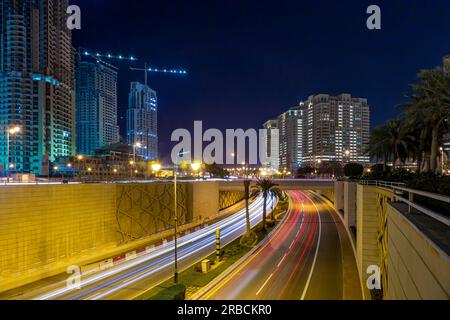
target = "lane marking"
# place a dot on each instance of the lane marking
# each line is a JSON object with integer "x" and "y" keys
{"x": 221, "y": 282}
{"x": 265, "y": 283}
{"x": 281, "y": 261}
{"x": 316, "y": 254}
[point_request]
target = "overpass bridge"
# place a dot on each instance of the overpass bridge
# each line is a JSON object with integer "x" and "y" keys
{"x": 286, "y": 184}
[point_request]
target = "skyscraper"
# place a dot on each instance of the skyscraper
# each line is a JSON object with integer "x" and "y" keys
{"x": 97, "y": 124}
{"x": 291, "y": 126}
{"x": 142, "y": 121}
{"x": 36, "y": 85}
{"x": 338, "y": 129}
{"x": 325, "y": 128}
{"x": 272, "y": 144}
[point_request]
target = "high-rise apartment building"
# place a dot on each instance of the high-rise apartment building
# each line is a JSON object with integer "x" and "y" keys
{"x": 97, "y": 124}
{"x": 338, "y": 129}
{"x": 36, "y": 85}
{"x": 142, "y": 121}
{"x": 325, "y": 128}
{"x": 291, "y": 129}
{"x": 272, "y": 143}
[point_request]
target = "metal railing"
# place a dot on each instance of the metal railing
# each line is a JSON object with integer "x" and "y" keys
{"x": 382, "y": 184}
{"x": 399, "y": 191}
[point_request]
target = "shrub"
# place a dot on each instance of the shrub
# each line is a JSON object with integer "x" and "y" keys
{"x": 353, "y": 170}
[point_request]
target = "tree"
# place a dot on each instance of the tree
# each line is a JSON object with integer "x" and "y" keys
{"x": 331, "y": 168}
{"x": 303, "y": 172}
{"x": 430, "y": 104}
{"x": 391, "y": 142}
{"x": 216, "y": 171}
{"x": 354, "y": 170}
{"x": 266, "y": 186}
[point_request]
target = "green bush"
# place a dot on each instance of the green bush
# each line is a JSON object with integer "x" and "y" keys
{"x": 353, "y": 170}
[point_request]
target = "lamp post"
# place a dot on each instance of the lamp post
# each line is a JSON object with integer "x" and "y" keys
{"x": 442, "y": 160}
{"x": 196, "y": 167}
{"x": 80, "y": 168}
{"x": 156, "y": 167}
{"x": 10, "y": 132}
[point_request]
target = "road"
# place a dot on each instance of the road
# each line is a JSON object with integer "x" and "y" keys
{"x": 301, "y": 260}
{"x": 132, "y": 278}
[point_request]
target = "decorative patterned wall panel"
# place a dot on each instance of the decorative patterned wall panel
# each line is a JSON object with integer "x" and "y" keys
{"x": 145, "y": 209}
{"x": 229, "y": 198}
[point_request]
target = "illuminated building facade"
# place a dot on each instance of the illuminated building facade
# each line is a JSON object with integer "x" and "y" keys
{"x": 291, "y": 129}
{"x": 324, "y": 128}
{"x": 337, "y": 129}
{"x": 272, "y": 143}
{"x": 142, "y": 121}
{"x": 97, "y": 124}
{"x": 37, "y": 84}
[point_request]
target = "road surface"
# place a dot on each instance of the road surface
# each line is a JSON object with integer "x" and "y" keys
{"x": 302, "y": 259}
{"x": 132, "y": 278}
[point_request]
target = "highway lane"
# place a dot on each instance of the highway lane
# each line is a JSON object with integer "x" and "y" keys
{"x": 132, "y": 278}
{"x": 301, "y": 260}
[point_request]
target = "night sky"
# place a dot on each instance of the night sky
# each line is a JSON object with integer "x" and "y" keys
{"x": 249, "y": 61}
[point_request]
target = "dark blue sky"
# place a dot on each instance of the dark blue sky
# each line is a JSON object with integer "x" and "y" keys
{"x": 248, "y": 61}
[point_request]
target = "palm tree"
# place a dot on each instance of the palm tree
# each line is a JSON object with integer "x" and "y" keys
{"x": 378, "y": 145}
{"x": 391, "y": 142}
{"x": 266, "y": 186}
{"x": 431, "y": 102}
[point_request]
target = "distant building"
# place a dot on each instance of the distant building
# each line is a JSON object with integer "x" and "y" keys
{"x": 97, "y": 124}
{"x": 142, "y": 121}
{"x": 291, "y": 128}
{"x": 338, "y": 129}
{"x": 325, "y": 128}
{"x": 272, "y": 144}
{"x": 114, "y": 162}
{"x": 37, "y": 83}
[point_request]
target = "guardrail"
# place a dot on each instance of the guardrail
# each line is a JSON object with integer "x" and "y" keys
{"x": 383, "y": 184}
{"x": 399, "y": 190}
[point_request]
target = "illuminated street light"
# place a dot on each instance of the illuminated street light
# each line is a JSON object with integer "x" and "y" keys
{"x": 196, "y": 166}
{"x": 10, "y": 132}
{"x": 156, "y": 167}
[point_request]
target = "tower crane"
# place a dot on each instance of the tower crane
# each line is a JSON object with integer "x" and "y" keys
{"x": 101, "y": 56}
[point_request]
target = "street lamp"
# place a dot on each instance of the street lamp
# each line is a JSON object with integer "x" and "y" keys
{"x": 136, "y": 145}
{"x": 10, "y": 132}
{"x": 156, "y": 167}
{"x": 175, "y": 198}
{"x": 196, "y": 167}
{"x": 442, "y": 159}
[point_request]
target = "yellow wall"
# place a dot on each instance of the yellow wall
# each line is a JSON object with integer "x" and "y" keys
{"x": 42, "y": 224}
{"x": 367, "y": 230}
{"x": 45, "y": 228}
{"x": 417, "y": 268}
